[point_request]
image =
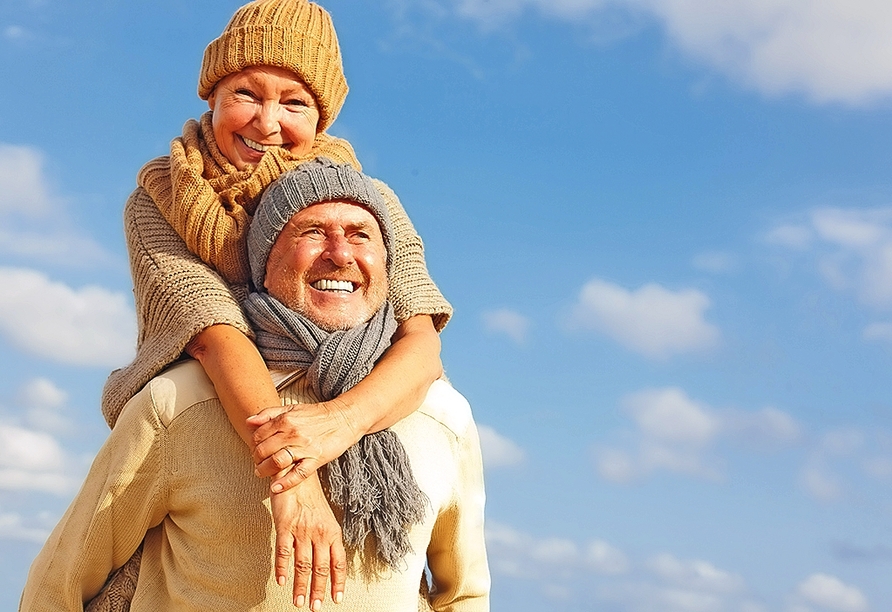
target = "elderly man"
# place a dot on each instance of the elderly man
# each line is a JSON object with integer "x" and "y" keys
{"x": 175, "y": 474}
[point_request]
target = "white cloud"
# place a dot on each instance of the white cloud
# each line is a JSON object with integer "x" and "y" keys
{"x": 90, "y": 326}
{"x": 652, "y": 320}
{"x": 669, "y": 414}
{"x": 878, "y": 332}
{"x": 23, "y": 187}
{"x": 44, "y": 405}
{"x": 676, "y": 433}
{"x": 12, "y": 527}
{"x": 716, "y": 262}
{"x": 853, "y": 252}
{"x": 32, "y": 461}
{"x": 507, "y": 322}
{"x": 603, "y": 558}
{"x": 34, "y": 224}
{"x": 828, "y": 50}
{"x": 695, "y": 574}
{"x": 549, "y": 559}
{"x": 832, "y": 593}
{"x": 498, "y": 451}
{"x": 820, "y": 483}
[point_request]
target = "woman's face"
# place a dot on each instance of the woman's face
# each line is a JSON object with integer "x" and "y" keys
{"x": 261, "y": 107}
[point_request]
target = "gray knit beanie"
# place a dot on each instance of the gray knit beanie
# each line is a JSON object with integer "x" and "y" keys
{"x": 313, "y": 182}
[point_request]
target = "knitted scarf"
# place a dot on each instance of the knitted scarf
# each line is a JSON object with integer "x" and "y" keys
{"x": 209, "y": 202}
{"x": 372, "y": 482}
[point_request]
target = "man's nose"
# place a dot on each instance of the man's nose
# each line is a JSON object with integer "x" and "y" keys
{"x": 339, "y": 251}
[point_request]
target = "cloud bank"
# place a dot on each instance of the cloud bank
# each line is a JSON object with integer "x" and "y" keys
{"x": 674, "y": 433}
{"x": 91, "y": 326}
{"x": 653, "y": 321}
{"x": 830, "y": 51}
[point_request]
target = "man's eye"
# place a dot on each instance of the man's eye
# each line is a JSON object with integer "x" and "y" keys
{"x": 297, "y": 102}
{"x": 245, "y": 92}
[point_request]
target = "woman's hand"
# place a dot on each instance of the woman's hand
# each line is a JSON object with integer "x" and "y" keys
{"x": 303, "y": 437}
{"x": 306, "y": 525}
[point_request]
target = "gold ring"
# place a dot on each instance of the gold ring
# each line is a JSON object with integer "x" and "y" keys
{"x": 288, "y": 450}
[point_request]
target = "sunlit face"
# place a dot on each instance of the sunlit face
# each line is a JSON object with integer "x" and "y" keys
{"x": 261, "y": 107}
{"x": 329, "y": 264}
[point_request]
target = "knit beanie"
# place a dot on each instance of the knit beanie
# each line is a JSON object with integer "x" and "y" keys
{"x": 313, "y": 182}
{"x": 293, "y": 34}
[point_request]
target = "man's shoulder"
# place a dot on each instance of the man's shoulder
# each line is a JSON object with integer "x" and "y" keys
{"x": 177, "y": 389}
{"x": 448, "y": 407}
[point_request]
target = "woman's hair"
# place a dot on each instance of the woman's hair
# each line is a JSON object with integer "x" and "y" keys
{"x": 294, "y": 34}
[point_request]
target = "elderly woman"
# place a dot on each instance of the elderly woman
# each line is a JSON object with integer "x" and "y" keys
{"x": 274, "y": 83}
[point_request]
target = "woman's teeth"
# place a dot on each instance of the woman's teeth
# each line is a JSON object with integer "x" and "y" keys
{"x": 260, "y": 148}
{"x": 333, "y": 285}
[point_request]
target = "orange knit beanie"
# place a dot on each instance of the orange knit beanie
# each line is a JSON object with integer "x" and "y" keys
{"x": 293, "y": 34}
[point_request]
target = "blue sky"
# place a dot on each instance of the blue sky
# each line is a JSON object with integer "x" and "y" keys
{"x": 666, "y": 228}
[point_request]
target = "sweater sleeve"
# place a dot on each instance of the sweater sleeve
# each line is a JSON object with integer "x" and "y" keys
{"x": 121, "y": 498}
{"x": 176, "y": 297}
{"x": 456, "y": 555}
{"x": 412, "y": 292}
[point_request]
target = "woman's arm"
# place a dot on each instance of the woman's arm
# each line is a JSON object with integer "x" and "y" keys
{"x": 318, "y": 433}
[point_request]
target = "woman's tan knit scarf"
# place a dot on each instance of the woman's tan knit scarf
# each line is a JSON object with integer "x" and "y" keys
{"x": 209, "y": 202}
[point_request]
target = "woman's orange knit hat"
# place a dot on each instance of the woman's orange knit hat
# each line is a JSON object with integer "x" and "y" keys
{"x": 293, "y": 34}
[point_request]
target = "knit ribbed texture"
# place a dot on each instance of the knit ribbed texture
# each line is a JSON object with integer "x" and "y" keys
{"x": 320, "y": 180}
{"x": 292, "y": 34}
{"x": 372, "y": 482}
{"x": 178, "y": 296}
{"x": 213, "y": 546}
{"x": 210, "y": 202}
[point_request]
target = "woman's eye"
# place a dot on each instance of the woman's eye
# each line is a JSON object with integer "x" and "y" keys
{"x": 245, "y": 92}
{"x": 296, "y": 102}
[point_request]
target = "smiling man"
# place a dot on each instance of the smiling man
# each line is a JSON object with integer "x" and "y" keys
{"x": 175, "y": 474}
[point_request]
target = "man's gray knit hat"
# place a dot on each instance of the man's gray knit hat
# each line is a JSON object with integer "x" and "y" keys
{"x": 313, "y": 182}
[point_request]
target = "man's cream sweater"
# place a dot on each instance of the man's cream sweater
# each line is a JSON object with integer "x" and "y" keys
{"x": 175, "y": 473}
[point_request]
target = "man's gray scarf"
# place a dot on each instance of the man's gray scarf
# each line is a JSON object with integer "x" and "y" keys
{"x": 372, "y": 482}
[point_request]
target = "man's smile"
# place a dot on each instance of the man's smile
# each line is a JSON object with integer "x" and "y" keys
{"x": 333, "y": 285}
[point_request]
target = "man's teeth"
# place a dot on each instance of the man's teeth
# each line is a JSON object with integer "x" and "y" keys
{"x": 333, "y": 285}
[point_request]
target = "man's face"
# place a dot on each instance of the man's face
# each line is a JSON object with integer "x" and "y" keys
{"x": 329, "y": 264}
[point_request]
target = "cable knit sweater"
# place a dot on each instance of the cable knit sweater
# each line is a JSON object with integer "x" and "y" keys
{"x": 178, "y": 295}
{"x": 175, "y": 473}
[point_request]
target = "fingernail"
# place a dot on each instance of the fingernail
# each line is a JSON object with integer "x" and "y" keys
{"x": 277, "y": 488}
{"x": 317, "y": 605}
{"x": 299, "y": 601}
{"x": 281, "y": 580}
{"x": 339, "y": 597}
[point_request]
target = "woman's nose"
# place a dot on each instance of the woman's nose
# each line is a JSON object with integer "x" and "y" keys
{"x": 268, "y": 118}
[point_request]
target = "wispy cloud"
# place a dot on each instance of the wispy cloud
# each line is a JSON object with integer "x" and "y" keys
{"x": 832, "y": 593}
{"x": 715, "y": 262}
{"x": 827, "y": 50}
{"x": 14, "y": 527}
{"x": 852, "y": 250}
{"x": 674, "y": 433}
{"x": 33, "y": 461}
{"x": 507, "y": 322}
{"x": 34, "y": 224}
{"x": 498, "y": 451}
{"x": 605, "y": 576}
{"x": 91, "y": 326}
{"x": 652, "y": 320}
{"x": 521, "y": 555}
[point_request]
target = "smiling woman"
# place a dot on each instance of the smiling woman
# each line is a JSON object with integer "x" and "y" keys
{"x": 259, "y": 108}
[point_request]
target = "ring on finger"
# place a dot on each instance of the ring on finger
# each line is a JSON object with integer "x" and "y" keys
{"x": 288, "y": 450}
